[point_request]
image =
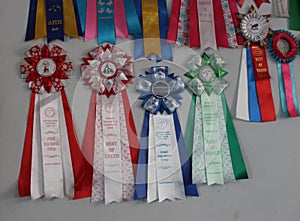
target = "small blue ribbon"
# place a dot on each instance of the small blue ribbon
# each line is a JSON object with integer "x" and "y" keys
{"x": 30, "y": 31}
{"x": 294, "y": 87}
{"x": 81, "y": 5}
{"x": 54, "y": 13}
{"x": 254, "y": 110}
{"x": 133, "y": 23}
{"x": 106, "y": 24}
{"x": 79, "y": 29}
{"x": 282, "y": 91}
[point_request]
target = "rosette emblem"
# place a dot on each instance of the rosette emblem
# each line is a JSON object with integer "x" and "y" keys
{"x": 45, "y": 68}
{"x": 160, "y": 90}
{"x": 107, "y": 70}
{"x": 206, "y": 74}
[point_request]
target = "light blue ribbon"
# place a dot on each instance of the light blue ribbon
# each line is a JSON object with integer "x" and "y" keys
{"x": 106, "y": 24}
{"x": 282, "y": 91}
{"x": 294, "y": 88}
{"x": 133, "y": 24}
{"x": 82, "y": 13}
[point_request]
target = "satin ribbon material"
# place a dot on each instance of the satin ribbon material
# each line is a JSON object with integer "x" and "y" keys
{"x": 106, "y": 26}
{"x": 91, "y": 29}
{"x": 30, "y": 31}
{"x": 257, "y": 2}
{"x": 254, "y": 108}
{"x": 77, "y": 18}
{"x": 194, "y": 27}
{"x": 70, "y": 25}
{"x": 294, "y": 15}
{"x": 263, "y": 84}
{"x": 238, "y": 164}
{"x": 189, "y": 134}
{"x": 40, "y": 22}
{"x": 133, "y": 24}
{"x": 54, "y": 15}
{"x": 280, "y": 8}
{"x": 173, "y": 23}
{"x": 183, "y": 24}
{"x": 81, "y": 5}
{"x": 120, "y": 19}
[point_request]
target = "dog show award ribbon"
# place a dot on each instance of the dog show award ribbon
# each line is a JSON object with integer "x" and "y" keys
{"x": 163, "y": 170}
{"x": 283, "y": 47}
{"x": 255, "y": 101}
{"x": 53, "y": 18}
{"x": 52, "y": 163}
{"x": 216, "y": 154}
{"x": 108, "y": 19}
{"x": 107, "y": 71}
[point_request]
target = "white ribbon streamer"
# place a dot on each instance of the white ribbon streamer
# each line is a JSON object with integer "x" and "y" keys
{"x": 206, "y": 24}
{"x": 242, "y": 107}
{"x": 280, "y": 8}
{"x": 51, "y": 146}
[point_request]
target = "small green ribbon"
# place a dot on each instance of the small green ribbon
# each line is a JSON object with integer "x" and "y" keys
{"x": 216, "y": 63}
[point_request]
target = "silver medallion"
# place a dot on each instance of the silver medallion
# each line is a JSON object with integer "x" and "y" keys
{"x": 207, "y": 74}
{"x": 108, "y": 69}
{"x": 160, "y": 89}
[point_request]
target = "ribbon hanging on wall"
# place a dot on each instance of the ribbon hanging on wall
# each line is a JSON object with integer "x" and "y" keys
{"x": 199, "y": 23}
{"x": 153, "y": 15}
{"x": 110, "y": 124}
{"x": 294, "y": 15}
{"x": 108, "y": 19}
{"x": 255, "y": 100}
{"x": 212, "y": 140}
{"x": 164, "y": 170}
{"x": 280, "y": 8}
{"x": 283, "y": 47}
{"x": 52, "y": 162}
{"x": 53, "y": 19}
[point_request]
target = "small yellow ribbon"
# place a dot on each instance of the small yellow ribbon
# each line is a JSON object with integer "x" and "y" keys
{"x": 40, "y": 22}
{"x": 70, "y": 26}
{"x": 151, "y": 27}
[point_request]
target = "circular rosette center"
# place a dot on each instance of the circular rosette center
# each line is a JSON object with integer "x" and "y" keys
{"x": 160, "y": 89}
{"x": 283, "y": 46}
{"x": 207, "y": 74}
{"x": 46, "y": 67}
{"x": 108, "y": 69}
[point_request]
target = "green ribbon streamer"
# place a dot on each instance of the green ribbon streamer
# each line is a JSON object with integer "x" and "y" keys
{"x": 239, "y": 168}
{"x": 189, "y": 132}
{"x": 295, "y": 15}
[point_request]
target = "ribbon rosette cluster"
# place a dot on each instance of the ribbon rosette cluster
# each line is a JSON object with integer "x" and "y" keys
{"x": 110, "y": 132}
{"x": 162, "y": 148}
{"x": 255, "y": 100}
{"x": 52, "y": 163}
{"x": 210, "y": 134}
{"x": 283, "y": 47}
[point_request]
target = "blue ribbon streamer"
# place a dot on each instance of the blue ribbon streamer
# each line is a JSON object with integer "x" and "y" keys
{"x": 186, "y": 169}
{"x": 166, "y": 49}
{"x": 282, "y": 91}
{"x": 133, "y": 23}
{"x": 81, "y": 5}
{"x": 106, "y": 24}
{"x": 254, "y": 110}
{"x": 140, "y": 190}
{"x": 80, "y": 33}
{"x": 138, "y": 38}
{"x": 54, "y": 13}
{"x": 30, "y": 31}
{"x": 294, "y": 87}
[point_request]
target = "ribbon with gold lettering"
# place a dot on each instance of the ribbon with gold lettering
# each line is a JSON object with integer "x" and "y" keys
{"x": 153, "y": 15}
{"x": 52, "y": 162}
{"x": 110, "y": 132}
{"x": 257, "y": 103}
{"x": 283, "y": 47}
{"x": 53, "y": 18}
{"x": 204, "y": 22}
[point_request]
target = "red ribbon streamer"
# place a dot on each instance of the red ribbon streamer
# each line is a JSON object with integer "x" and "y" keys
{"x": 194, "y": 27}
{"x": 286, "y": 74}
{"x": 263, "y": 84}
{"x": 25, "y": 169}
{"x": 174, "y": 19}
{"x": 82, "y": 170}
{"x": 220, "y": 27}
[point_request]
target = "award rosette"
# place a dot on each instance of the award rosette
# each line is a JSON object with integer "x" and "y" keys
{"x": 164, "y": 170}
{"x": 210, "y": 134}
{"x": 153, "y": 15}
{"x": 110, "y": 130}
{"x": 205, "y": 23}
{"x": 255, "y": 101}
{"x": 53, "y": 18}
{"x": 283, "y": 47}
{"x": 52, "y": 162}
{"x": 108, "y": 19}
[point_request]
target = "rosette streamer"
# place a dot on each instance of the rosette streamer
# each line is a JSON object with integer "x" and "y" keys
{"x": 108, "y": 19}
{"x": 164, "y": 170}
{"x": 52, "y": 162}
{"x": 294, "y": 15}
{"x": 257, "y": 2}
{"x": 153, "y": 15}
{"x": 283, "y": 47}
{"x": 255, "y": 100}
{"x": 209, "y": 23}
{"x": 210, "y": 134}
{"x": 110, "y": 140}
{"x": 53, "y": 18}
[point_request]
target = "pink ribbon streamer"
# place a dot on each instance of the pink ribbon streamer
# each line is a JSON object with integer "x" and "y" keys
{"x": 120, "y": 19}
{"x": 91, "y": 20}
{"x": 285, "y": 67}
